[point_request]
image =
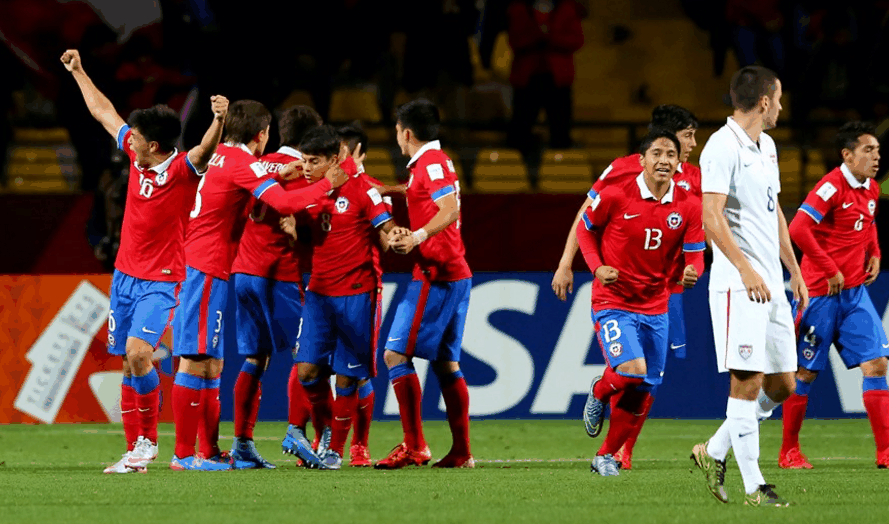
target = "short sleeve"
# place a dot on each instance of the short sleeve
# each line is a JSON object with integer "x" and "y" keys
{"x": 718, "y": 164}
{"x": 439, "y": 179}
{"x": 597, "y": 214}
{"x": 820, "y": 200}
{"x": 377, "y": 209}
{"x": 254, "y": 178}
{"x": 694, "y": 240}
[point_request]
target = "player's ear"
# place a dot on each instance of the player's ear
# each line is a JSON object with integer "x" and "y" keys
{"x": 154, "y": 147}
{"x": 641, "y": 159}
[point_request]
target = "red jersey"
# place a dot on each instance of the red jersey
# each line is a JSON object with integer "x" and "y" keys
{"x": 643, "y": 239}
{"x": 378, "y": 266}
{"x": 344, "y": 231}
{"x": 844, "y": 231}
{"x": 440, "y": 257}
{"x": 627, "y": 168}
{"x": 217, "y": 219}
{"x": 265, "y": 250}
{"x": 156, "y": 216}
{"x": 624, "y": 170}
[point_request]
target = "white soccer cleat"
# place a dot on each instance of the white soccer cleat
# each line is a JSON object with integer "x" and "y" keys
{"x": 121, "y": 466}
{"x": 143, "y": 453}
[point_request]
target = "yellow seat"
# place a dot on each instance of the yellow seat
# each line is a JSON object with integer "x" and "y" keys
{"x": 34, "y": 169}
{"x": 354, "y": 104}
{"x": 500, "y": 171}
{"x": 51, "y": 135}
{"x": 565, "y": 171}
{"x": 602, "y": 157}
{"x": 33, "y": 154}
{"x": 38, "y": 185}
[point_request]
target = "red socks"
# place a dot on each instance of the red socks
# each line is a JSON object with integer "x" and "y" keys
{"x": 876, "y": 403}
{"x": 248, "y": 389}
{"x": 344, "y": 408}
{"x": 209, "y": 427}
{"x": 407, "y": 391}
{"x": 320, "y": 399}
{"x": 187, "y": 412}
{"x": 640, "y": 421}
{"x": 364, "y": 415}
{"x": 624, "y": 417}
{"x": 129, "y": 413}
{"x": 612, "y": 382}
{"x": 456, "y": 397}
{"x": 299, "y": 410}
{"x": 793, "y": 414}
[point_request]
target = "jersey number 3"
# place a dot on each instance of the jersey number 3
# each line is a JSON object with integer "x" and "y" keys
{"x": 653, "y": 238}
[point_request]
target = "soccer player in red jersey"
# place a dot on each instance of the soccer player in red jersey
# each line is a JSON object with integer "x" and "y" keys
{"x": 688, "y": 178}
{"x": 340, "y": 320}
{"x": 838, "y": 237}
{"x": 267, "y": 274}
{"x": 632, "y": 237}
{"x": 429, "y": 321}
{"x": 151, "y": 261}
{"x": 217, "y": 220}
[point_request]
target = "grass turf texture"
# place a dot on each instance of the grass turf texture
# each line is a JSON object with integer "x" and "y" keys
{"x": 527, "y": 471}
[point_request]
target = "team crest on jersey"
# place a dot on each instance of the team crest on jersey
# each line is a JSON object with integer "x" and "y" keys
{"x": 161, "y": 179}
{"x": 871, "y": 206}
{"x": 674, "y": 220}
{"x": 110, "y": 339}
{"x": 342, "y": 204}
{"x": 215, "y": 341}
{"x": 684, "y": 185}
{"x": 745, "y": 350}
{"x": 808, "y": 353}
{"x": 616, "y": 348}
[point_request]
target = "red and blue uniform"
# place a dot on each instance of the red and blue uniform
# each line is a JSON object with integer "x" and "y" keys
{"x": 267, "y": 272}
{"x": 340, "y": 318}
{"x": 214, "y": 234}
{"x": 836, "y": 232}
{"x": 628, "y": 229}
{"x": 430, "y": 319}
{"x": 624, "y": 170}
{"x": 151, "y": 261}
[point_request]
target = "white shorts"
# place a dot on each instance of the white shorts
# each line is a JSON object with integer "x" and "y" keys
{"x": 753, "y": 337}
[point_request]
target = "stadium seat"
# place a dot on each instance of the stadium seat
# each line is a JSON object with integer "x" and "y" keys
{"x": 41, "y": 136}
{"x": 565, "y": 171}
{"x": 40, "y": 167}
{"x": 790, "y": 166}
{"x": 601, "y": 157}
{"x": 500, "y": 171}
{"x": 465, "y": 186}
{"x": 378, "y": 164}
{"x": 348, "y": 104}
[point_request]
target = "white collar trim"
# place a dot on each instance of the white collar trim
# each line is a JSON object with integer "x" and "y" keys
{"x": 428, "y": 146}
{"x": 243, "y": 147}
{"x": 741, "y": 135}
{"x": 647, "y": 194}
{"x": 850, "y": 178}
{"x": 160, "y": 168}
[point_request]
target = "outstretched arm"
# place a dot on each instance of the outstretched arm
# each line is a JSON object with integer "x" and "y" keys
{"x": 100, "y": 107}
{"x": 200, "y": 155}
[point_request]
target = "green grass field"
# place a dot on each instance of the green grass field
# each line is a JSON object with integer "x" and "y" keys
{"x": 527, "y": 471}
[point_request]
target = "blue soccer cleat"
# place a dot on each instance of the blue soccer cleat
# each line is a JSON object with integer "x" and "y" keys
{"x": 593, "y": 412}
{"x": 244, "y": 453}
{"x": 194, "y": 463}
{"x": 323, "y": 442}
{"x": 604, "y": 465}
{"x": 296, "y": 443}
{"x": 331, "y": 460}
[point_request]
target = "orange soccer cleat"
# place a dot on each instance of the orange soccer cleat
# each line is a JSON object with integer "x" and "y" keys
{"x": 359, "y": 457}
{"x": 401, "y": 456}
{"x": 793, "y": 458}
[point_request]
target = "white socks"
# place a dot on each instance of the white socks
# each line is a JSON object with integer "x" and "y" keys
{"x": 743, "y": 427}
{"x": 720, "y": 443}
{"x": 764, "y": 406}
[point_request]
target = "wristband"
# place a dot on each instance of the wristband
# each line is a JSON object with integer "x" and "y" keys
{"x": 420, "y": 235}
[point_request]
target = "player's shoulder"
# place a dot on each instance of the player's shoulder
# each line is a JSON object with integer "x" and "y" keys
{"x": 435, "y": 164}
{"x": 690, "y": 170}
{"x": 722, "y": 138}
{"x": 617, "y": 193}
{"x": 830, "y": 184}
{"x": 687, "y": 198}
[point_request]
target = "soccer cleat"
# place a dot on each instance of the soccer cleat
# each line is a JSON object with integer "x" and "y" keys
{"x": 322, "y": 441}
{"x": 121, "y": 466}
{"x": 455, "y": 461}
{"x": 143, "y": 453}
{"x": 224, "y": 457}
{"x": 793, "y": 458}
{"x": 296, "y": 443}
{"x": 401, "y": 457}
{"x": 713, "y": 470}
{"x": 244, "y": 453}
{"x": 604, "y": 465}
{"x": 765, "y": 496}
{"x": 624, "y": 459}
{"x": 196, "y": 463}
{"x": 331, "y": 460}
{"x": 593, "y": 412}
{"x": 883, "y": 459}
{"x": 359, "y": 457}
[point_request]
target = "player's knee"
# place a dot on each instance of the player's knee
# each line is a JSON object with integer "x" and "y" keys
{"x": 345, "y": 383}
{"x": 633, "y": 367}
{"x": 445, "y": 367}
{"x": 874, "y": 368}
{"x": 127, "y": 370}
{"x": 139, "y": 355}
{"x": 260, "y": 361}
{"x": 213, "y": 368}
{"x": 393, "y": 359}
{"x": 307, "y": 372}
{"x": 806, "y": 375}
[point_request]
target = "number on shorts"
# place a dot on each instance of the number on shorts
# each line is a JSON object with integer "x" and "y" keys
{"x": 218, "y": 321}
{"x": 112, "y": 324}
{"x": 325, "y": 222}
{"x": 653, "y": 238}
{"x": 771, "y": 203}
{"x": 611, "y": 331}
{"x": 859, "y": 224}
{"x": 197, "y": 198}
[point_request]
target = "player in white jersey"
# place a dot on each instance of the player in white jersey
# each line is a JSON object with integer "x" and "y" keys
{"x": 752, "y": 320}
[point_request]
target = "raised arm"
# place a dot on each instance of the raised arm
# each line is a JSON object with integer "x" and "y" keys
{"x": 200, "y": 155}
{"x": 100, "y": 107}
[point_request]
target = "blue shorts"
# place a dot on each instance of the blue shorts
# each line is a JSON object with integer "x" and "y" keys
{"x": 340, "y": 332}
{"x": 430, "y": 319}
{"x": 139, "y": 308}
{"x": 268, "y": 314}
{"x": 676, "y": 314}
{"x": 626, "y": 336}
{"x": 200, "y": 317}
{"x": 848, "y": 321}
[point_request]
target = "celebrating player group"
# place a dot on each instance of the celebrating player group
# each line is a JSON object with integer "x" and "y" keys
{"x": 225, "y": 218}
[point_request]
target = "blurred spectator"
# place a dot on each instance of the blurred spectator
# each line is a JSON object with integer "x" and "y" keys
{"x": 544, "y": 35}
{"x": 709, "y": 15}
{"x": 756, "y": 32}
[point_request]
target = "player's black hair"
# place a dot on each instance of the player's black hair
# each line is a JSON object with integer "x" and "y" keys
{"x": 850, "y": 132}
{"x": 672, "y": 117}
{"x": 294, "y": 122}
{"x": 750, "y": 84}
{"x": 245, "y": 119}
{"x": 421, "y": 117}
{"x": 353, "y": 135}
{"x": 157, "y": 124}
{"x": 654, "y": 134}
{"x": 320, "y": 141}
